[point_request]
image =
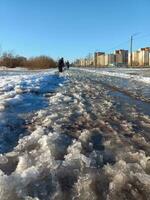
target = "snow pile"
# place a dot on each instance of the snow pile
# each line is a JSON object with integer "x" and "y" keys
{"x": 22, "y": 92}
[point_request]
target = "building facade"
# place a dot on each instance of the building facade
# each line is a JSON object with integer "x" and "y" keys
{"x": 110, "y": 59}
{"x": 101, "y": 60}
{"x": 121, "y": 56}
{"x": 97, "y": 58}
{"x": 144, "y": 56}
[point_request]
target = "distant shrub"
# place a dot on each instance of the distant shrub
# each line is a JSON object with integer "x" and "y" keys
{"x": 8, "y": 60}
{"x": 40, "y": 62}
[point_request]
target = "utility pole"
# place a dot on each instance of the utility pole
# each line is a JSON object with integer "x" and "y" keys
{"x": 131, "y": 47}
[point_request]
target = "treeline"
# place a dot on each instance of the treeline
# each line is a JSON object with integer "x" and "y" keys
{"x": 39, "y": 62}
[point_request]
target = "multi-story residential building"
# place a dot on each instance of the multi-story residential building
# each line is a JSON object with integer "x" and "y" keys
{"x": 121, "y": 56}
{"x": 97, "y": 58}
{"x": 101, "y": 60}
{"x": 80, "y": 62}
{"x": 144, "y": 56}
{"x": 140, "y": 57}
{"x": 110, "y": 59}
{"x": 90, "y": 60}
{"x": 135, "y": 58}
{"x": 146, "y": 49}
{"x": 119, "y": 59}
{"x": 106, "y": 59}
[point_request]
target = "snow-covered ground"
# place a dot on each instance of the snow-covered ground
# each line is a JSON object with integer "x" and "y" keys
{"x": 135, "y": 82}
{"x": 139, "y": 75}
{"x": 83, "y": 135}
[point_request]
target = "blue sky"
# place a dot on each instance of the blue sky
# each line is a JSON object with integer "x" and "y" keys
{"x": 72, "y": 28}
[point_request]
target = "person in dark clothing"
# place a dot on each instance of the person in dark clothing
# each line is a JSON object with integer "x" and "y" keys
{"x": 61, "y": 65}
{"x": 67, "y": 64}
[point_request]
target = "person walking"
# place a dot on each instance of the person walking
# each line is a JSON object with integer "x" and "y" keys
{"x": 61, "y": 65}
{"x": 67, "y": 64}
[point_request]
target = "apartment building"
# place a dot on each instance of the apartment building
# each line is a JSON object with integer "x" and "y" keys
{"x": 97, "y": 58}
{"x": 121, "y": 56}
{"x": 101, "y": 60}
{"x": 110, "y": 59}
{"x": 140, "y": 57}
{"x": 90, "y": 60}
{"x": 144, "y": 56}
{"x": 135, "y": 58}
{"x": 106, "y": 60}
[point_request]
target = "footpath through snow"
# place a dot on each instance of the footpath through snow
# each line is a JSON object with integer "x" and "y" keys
{"x": 88, "y": 142}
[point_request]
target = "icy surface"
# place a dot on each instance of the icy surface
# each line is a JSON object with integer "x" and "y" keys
{"x": 83, "y": 135}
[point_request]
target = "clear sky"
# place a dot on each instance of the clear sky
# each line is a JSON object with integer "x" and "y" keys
{"x": 72, "y": 28}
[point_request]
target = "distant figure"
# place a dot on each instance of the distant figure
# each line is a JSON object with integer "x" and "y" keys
{"x": 61, "y": 65}
{"x": 67, "y": 64}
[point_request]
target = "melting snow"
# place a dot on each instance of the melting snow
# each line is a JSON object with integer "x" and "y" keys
{"x": 73, "y": 136}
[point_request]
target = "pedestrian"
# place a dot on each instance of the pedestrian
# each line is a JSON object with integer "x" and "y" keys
{"x": 67, "y": 64}
{"x": 61, "y": 65}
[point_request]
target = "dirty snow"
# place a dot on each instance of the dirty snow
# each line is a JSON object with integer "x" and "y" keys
{"x": 82, "y": 135}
